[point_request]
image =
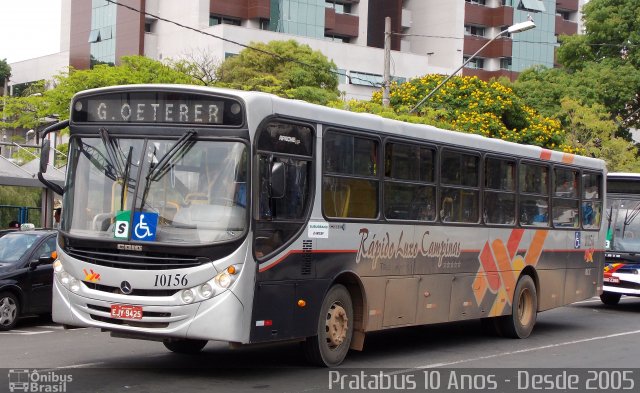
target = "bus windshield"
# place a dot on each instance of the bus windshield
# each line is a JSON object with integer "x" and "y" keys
{"x": 184, "y": 191}
{"x": 624, "y": 225}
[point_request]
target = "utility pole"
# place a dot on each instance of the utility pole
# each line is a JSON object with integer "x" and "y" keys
{"x": 387, "y": 62}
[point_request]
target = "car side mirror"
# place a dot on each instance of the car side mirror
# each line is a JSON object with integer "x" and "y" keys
{"x": 44, "y": 259}
{"x": 277, "y": 180}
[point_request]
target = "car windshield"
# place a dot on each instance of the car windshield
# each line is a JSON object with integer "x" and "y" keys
{"x": 14, "y": 246}
{"x": 180, "y": 191}
{"x": 623, "y": 233}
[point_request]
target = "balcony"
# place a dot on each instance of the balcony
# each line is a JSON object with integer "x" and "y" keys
{"x": 565, "y": 27}
{"x": 568, "y": 5}
{"x": 502, "y": 47}
{"x": 343, "y": 25}
{"x": 487, "y": 75}
{"x": 241, "y": 9}
{"x": 485, "y": 16}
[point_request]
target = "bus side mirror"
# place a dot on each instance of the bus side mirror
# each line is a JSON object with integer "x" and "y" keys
{"x": 44, "y": 155}
{"x": 277, "y": 180}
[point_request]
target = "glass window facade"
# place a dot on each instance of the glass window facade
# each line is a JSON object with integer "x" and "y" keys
{"x": 534, "y": 46}
{"x": 103, "y": 32}
{"x": 298, "y": 17}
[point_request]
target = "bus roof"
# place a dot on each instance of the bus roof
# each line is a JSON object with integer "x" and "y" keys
{"x": 271, "y": 104}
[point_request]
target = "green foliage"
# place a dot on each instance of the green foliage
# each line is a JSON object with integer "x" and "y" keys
{"x": 607, "y": 84}
{"x": 605, "y": 61}
{"x": 470, "y": 105}
{"x": 257, "y": 70}
{"x": 591, "y": 128}
{"x": 5, "y": 71}
{"x": 611, "y": 27}
{"x": 19, "y": 196}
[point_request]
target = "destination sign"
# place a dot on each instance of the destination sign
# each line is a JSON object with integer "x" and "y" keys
{"x": 144, "y": 107}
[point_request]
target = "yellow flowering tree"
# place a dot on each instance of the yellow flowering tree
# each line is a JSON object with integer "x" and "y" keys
{"x": 470, "y": 105}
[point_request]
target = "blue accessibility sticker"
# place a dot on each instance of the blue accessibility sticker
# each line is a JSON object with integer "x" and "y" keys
{"x": 144, "y": 226}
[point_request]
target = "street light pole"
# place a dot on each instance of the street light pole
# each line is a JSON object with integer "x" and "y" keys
{"x": 517, "y": 28}
{"x": 387, "y": 62}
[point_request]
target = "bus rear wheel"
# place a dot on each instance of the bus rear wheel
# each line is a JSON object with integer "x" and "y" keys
{"x": 610, "y": 298}
{"x": 335, "y": 329}
{"x": 187, "y": 346}
{"x": 524, "y": 309}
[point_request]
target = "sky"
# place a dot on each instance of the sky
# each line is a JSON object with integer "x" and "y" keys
{"x": 29, "y": 28}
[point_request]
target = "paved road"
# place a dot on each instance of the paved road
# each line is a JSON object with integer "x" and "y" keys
{"x": 585, "y": 335}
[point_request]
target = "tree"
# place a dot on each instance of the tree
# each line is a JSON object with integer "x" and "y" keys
{"x": 612, "y": 32}
{"x": 199, "y": 65}
{"x": 470, "y": 105}
{"x": 295, "y": 71}
{"x": 605, "y": 83}
{"x": 591, "y": 128}
{"x": 611, "y": 41}
{"x": 5, "y": 71}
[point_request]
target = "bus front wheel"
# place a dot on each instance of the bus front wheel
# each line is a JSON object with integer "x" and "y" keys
{"x": 524, "y": 309}
{"x": 335, "y": 329}
{"x": 610, "y": 298}
{"x": 185, "y": 346}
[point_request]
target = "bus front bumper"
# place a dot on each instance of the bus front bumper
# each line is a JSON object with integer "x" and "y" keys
{"x": 218, "y": 318}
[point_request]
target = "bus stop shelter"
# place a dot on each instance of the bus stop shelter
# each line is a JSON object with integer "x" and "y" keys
{"x": 12, "y": 174}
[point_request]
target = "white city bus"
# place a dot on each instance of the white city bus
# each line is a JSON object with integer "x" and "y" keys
{"x": 622, "y": 252}
{"x": 194, "y": 214}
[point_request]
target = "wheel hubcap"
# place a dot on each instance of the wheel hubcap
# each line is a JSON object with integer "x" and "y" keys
{"x": 337, "y": 325}
{"x": 525, "y": 306}
{"x": 8, "y": 311}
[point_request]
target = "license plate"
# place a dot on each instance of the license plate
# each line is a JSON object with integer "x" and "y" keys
{"x": 612, "y": 280}
{"x": 123, "y": 311}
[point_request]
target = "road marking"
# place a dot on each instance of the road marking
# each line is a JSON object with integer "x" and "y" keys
{"x": 597, "y": 300}
{"x": 25, "y": 333}
{"x": 584, "y": 340}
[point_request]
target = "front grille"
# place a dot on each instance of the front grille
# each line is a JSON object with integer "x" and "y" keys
{"x": 123, "y": 322}
{"x": 135, "y": 292}
{"x": 144, "y": 313}
{"x": 138, "y": 261}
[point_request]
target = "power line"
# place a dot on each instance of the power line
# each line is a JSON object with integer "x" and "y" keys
{"x": 514, "y": 41}
{"x": 263, "y": 51}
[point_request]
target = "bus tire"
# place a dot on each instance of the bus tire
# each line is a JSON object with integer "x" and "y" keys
{"x": 335, "y": 329}
{"x": 524, "y": 309}
{"x": 188, "y": 347}
{"x": 610, "y": 298}
{"x": 9, "y": 310}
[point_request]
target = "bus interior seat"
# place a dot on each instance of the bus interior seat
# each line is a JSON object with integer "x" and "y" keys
{"x": 196, "y": 198}
{"x": 363, "y": 202}
{"x": 336, "y": 200}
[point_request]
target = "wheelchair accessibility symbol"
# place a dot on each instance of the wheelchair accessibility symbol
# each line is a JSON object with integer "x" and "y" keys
{"x": 144, "y": 226}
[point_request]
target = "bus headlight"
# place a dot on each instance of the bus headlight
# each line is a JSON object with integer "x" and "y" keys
{"x": 74, "y": 284}
{"x": 187, "y": 296}
{"x": 65, "y": 278}
{"x": 213, "y": 287}
{"x": 206, "y": 290}
{"x": 57, "y": 266}
{"x": 223, "y": 280}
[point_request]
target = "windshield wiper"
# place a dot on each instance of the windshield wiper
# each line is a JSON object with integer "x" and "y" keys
{"x": 114, "y": 154}
{"x": 125, "y": 179}
{"x": 175, "y": 154}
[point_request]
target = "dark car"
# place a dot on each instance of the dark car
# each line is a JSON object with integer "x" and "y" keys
{"x": 26, "y": 274}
